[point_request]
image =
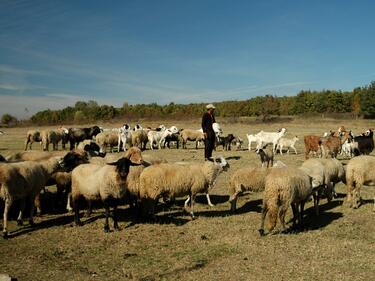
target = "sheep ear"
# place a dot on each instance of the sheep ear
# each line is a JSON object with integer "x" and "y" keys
{"x": 112, "y": 163}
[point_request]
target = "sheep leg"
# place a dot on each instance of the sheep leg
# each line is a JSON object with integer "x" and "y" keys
{"x": 295, "y": 214}
{"x": 22, "y": 208}
{"x": 76, "y": 212}
{"x": 295, "y": 150}
{"x": 8, "y": 203}
{"x": 107, "y": 214}
{"x": 209, "y": 201}
{"x": 192, "y": 198}
{"x": 357, "y": 197}
{"x": 301, "y": 215}
{"x": 316, "y": 202}
{"x": 32, "y": 208}
{"x": 281, "y": 150}
{"x": 264, "y": 213}
{"x": 186, "y": 203}
{"x": 89, "y": 209}
{"x": 334, "y": 191}
{"x": 68, "y": 207}
{"x": 233, "y": 202}
{"x": 115, "y": 215}
{"x": 282, "y": 212}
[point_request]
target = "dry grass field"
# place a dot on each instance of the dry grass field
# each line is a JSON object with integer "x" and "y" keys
{"x": 337, "y": 245}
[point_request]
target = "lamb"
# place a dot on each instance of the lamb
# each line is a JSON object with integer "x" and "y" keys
{"x": 106, "y": 139}
{"x": 191, "y": 135}
{"x": 31, "y": 137}
{"x": 266, "y": 155}
{"x": 178, "y": 180}
{"x": 264, "y": 138}
{"x": 285, "y": 186}
{"x": 107, "y": 183}
{"x": 24, "y": 180}
{"x": 251, "y": 138}
{"x": 246, "y": 179}
{"x": 359, "y": 171}
{"x": 225, "y": 141}
{"x": 287, "y": 143}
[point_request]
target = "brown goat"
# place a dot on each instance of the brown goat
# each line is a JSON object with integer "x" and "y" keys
{"x": 312, "y": 143}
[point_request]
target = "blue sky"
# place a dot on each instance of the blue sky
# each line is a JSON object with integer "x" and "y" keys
{"x": 53, "y": 53}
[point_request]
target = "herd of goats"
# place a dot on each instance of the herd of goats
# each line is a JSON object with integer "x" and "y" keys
{"x": 86, "y": 171}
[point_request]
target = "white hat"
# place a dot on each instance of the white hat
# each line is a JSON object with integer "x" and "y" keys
{"x": 208, "y": 106}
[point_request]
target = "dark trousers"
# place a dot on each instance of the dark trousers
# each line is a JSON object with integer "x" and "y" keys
{"x": 209, "y": 145}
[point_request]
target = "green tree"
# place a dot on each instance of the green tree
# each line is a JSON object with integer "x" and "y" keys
{"x": 9, "y": 119}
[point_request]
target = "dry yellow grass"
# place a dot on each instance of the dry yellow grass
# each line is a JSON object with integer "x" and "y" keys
{"x": 339, "y": 244}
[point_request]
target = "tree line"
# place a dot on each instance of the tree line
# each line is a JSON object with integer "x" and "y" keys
{"x": 360, "y": 102}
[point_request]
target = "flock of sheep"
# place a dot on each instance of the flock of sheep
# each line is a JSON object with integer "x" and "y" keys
{"x": 86, "y": 171}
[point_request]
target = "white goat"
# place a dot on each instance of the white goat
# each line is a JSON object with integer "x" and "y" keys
{"x": 265, "y": 138}
{"x": 288, "y": 143}
{"x": 124, "y": 135}
{"x": 251, "y": 138}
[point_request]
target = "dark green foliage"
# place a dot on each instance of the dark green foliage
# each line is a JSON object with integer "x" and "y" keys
{"x": 359, "y": 101}
{"x": 9, "y": 120}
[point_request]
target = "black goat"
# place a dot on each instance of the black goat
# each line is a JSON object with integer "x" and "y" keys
{"x": 225, "y": 141}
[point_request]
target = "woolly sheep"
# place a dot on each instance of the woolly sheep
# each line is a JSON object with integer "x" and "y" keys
{"x": 178, "y": 180}
{"x": 31, "y": 137}
{"x": 284, "y": 186}
{"x": 24, "y": 180}
{"x": 107, "y": 183}
{"x": 106, "y": 139}
{"x": 359, "y": 171}
{"x": 246, "y": 179}
{"x": 191, "y": 135}
{"x": 334, "y": 172}
{"x": 139, "y": 138}
{"x": 54, "y": 137}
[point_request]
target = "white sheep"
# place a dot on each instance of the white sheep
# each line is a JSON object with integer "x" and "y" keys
{"x": 360, "y": 171}
{"x": 287, "y": 143}
{"x": 178, "y": 180}
{"x": 246, "y": 179}
{"x": 285, "y": 186}
{"x": 98, "y": 182}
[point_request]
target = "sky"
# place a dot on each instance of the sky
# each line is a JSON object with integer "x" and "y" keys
{"x": 54, "y": 53}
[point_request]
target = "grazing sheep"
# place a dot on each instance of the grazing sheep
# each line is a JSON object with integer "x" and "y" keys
{"x": 285, "y": 186}
{"x": 106, "y": 139}
{"x": 24, "y": 180}
{"x": 178, "y": 180}
{"x": 246, "y": 179}
{"x": 266, "y": 155}
{"x": 287, "y": 143}
{"x": 97, "y": 182}
{"x": 191, "y": 135}
{"x": 31, "y": 137}
{"x": 334, "y": 173}
{"x": 359, "y": 171}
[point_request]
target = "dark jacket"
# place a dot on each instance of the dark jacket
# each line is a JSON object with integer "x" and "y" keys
{"x": 207, "y": 121}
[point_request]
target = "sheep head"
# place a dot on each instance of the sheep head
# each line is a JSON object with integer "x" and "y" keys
{"x": 72, "y": 159}
{"x": 123, "y": 166}
{"x": 134, "y": 155}
{"x": 222, "y": 162}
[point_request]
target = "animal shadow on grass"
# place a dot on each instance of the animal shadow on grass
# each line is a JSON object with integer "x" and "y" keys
{"x": 233, "y": 158}
{"x": 313, "y": 222}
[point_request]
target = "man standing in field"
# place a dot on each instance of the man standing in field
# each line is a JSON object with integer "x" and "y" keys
{"x": 209, "y": 135}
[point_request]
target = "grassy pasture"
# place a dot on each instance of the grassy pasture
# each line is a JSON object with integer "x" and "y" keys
{"x": 339, "y": 244}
